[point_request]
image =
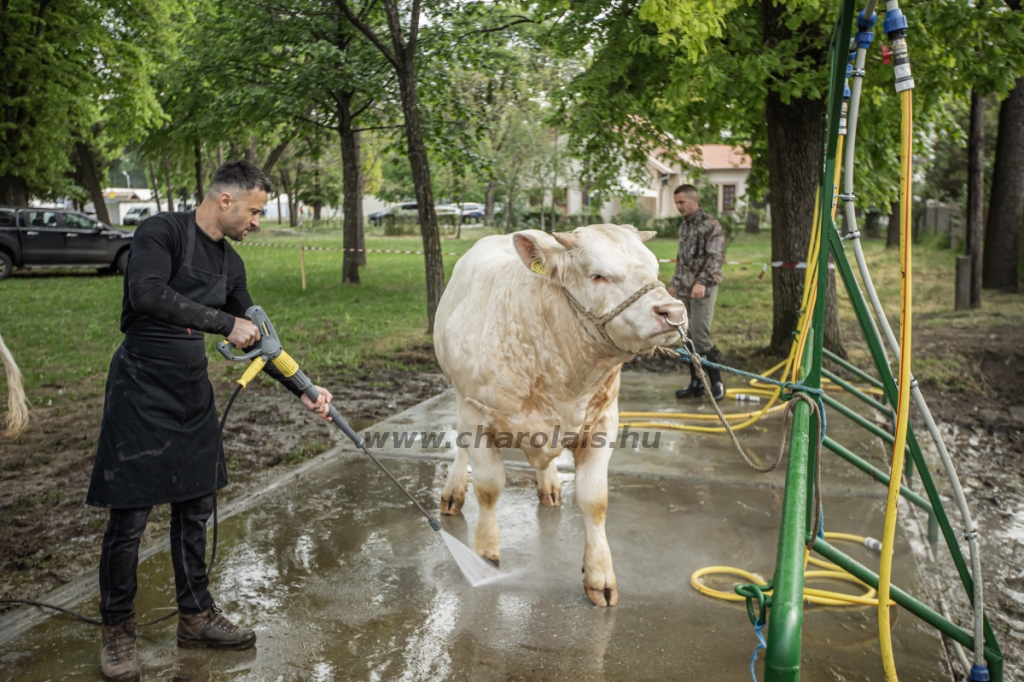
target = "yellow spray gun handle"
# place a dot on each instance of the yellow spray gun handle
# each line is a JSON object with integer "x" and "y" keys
{"x": 254, "y": 368}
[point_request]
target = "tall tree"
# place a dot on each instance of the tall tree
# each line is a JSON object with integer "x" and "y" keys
{"x": 55, "y": 94}
{"x": 1002, "y": 233}
{"x": 976, "y": 194}
{"x": 403, "y": 31}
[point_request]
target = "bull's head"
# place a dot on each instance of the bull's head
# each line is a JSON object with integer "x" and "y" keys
{"x": 601, "y": 266}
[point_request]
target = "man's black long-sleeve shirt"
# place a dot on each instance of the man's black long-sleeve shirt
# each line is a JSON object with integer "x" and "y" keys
{"x": 158, "y": 252}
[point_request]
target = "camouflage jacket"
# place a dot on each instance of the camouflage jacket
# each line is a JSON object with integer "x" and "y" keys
{"x": 701, "y": 253}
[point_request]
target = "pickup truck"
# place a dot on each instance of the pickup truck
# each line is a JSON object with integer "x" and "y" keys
{"x": 57, "y": 238}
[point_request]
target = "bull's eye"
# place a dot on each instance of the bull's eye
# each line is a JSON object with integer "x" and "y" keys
{"x": 597, "y": 278}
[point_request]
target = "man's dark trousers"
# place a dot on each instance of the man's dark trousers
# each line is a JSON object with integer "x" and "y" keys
{"x": 119, "y": 559}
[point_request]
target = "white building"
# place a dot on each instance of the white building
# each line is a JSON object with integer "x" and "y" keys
{"x": 723, "y": 166}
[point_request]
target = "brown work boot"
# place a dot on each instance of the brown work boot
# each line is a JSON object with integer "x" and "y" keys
{"x": 118, "y": 661}
{"x": 210, "y": 629}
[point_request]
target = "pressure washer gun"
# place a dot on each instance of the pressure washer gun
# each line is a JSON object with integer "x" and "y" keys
{"x": 269, "y": 349}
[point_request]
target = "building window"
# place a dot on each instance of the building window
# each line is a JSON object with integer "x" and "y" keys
{"x": 728, "y": 198}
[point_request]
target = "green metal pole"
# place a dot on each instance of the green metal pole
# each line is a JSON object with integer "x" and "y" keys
{"x": 782, "y": 658}
{"x": 858, "y": 419}
{"x": 993, "y": 655}
{"x": 883, "y": 478}
{"x": 875, "y": 473}
{"x": 855, "y": 392}
{"x": 853, "y": 369}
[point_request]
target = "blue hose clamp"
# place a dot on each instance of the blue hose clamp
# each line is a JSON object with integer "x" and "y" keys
{"x": 895, "y": 20}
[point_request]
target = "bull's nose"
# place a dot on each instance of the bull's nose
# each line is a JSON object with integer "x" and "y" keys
{"x": 674, "y": 312}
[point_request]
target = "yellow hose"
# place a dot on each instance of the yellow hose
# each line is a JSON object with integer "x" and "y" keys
{"x": 828, "y": 571}
{"x": 903, "y": 404}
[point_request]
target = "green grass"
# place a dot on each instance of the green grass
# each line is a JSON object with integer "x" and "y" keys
{"x": 63, "y": 328}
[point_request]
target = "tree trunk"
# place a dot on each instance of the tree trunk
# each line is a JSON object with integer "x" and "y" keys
{"x": 1002, "y": 234}
{"x": 352, "y": 190}
{"x": 13, "y": 191}
{"x": 489, "y": 202}
{"x": 276, "y": 153}
{"x": 793, "y": 155}
{"x": 509, "y": 222}
{"x": 794, "y": 141}
{"x": 892, "y": 230}
{"x": 976, "y": 194}
{"x": 90, "y": 174}
{"x": 752, "y": 223}
{"x": 417, "y": 149}
{"x": 156, "y": 187}
{"x": 286, "y": 183}
{"x": 200, "y": 192}
{"x": 250, "y": 153}
{"x": 317, "y": 208}
{"x": 871, "y": 220}
{"x": 170, "y": 184}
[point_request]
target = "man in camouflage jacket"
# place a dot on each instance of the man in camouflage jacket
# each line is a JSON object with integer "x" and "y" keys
{"x": 695, "y": 283}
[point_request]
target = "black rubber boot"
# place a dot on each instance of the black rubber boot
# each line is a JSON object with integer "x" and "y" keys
{"x": 695, "y": 389}
{"x": 715, "y": 375}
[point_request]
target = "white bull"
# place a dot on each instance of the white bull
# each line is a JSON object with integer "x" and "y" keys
{"x": 532, "y": 330}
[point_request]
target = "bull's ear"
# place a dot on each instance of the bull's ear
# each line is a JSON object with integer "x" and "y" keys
{"x": 647, "y": 235}
{"x": 537, "y": 250}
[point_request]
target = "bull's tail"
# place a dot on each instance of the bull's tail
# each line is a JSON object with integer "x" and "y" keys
{"x": 17, "y": 410}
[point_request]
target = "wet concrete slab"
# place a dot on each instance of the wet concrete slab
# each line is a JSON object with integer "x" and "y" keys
{"x": 343, "y": 580}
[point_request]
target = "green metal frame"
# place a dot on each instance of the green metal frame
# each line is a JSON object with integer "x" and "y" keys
{"x": 785, "y": 624}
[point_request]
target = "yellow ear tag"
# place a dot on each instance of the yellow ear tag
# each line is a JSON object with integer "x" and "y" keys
{"x": 538, "y": 267}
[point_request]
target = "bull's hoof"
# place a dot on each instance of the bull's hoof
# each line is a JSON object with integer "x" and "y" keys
{"x": 550, "y": 499}
{"x": 493, "y": 561}
{"x": 608, "y": 596}
{"x": 452, "y": 506}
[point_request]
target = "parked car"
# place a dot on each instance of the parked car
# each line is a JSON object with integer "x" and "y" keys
{"x": 55, "y": 238}
{"x": 408, "y": 210}
{"x": 136, "y": 215}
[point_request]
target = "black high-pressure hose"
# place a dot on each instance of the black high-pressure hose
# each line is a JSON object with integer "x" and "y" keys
{"x": 218, "y": 461}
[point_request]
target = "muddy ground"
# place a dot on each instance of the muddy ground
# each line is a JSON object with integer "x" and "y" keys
{"x": 48, "y": 537}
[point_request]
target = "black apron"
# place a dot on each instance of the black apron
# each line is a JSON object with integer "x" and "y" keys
{"x": 160, "y": 440}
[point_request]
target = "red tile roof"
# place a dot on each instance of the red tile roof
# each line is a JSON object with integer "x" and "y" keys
{"x": 719, "y": 156}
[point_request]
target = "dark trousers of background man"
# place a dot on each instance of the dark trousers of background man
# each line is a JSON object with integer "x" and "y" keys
{"x": 701, "y": 312}
{"x": 119, "y": 560}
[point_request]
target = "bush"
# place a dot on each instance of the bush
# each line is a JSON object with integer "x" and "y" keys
{"x": 635, "y": 215}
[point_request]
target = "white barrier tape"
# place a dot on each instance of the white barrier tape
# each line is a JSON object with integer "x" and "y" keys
{"x": 335, "y": 248}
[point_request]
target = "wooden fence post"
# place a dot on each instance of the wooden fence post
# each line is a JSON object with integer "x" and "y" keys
{"x": 963, "y": 283}
{"x": 302, "y": 264}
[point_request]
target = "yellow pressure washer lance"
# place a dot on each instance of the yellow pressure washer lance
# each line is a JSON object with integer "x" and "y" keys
{"x": 269, "y": 349}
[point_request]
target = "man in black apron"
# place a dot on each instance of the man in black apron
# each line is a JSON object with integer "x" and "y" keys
{"x": 160, "y": 442}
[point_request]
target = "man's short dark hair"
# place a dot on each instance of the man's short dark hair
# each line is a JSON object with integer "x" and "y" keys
{"x": 690, "y": 191}
{"x": 240, "y": 175}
